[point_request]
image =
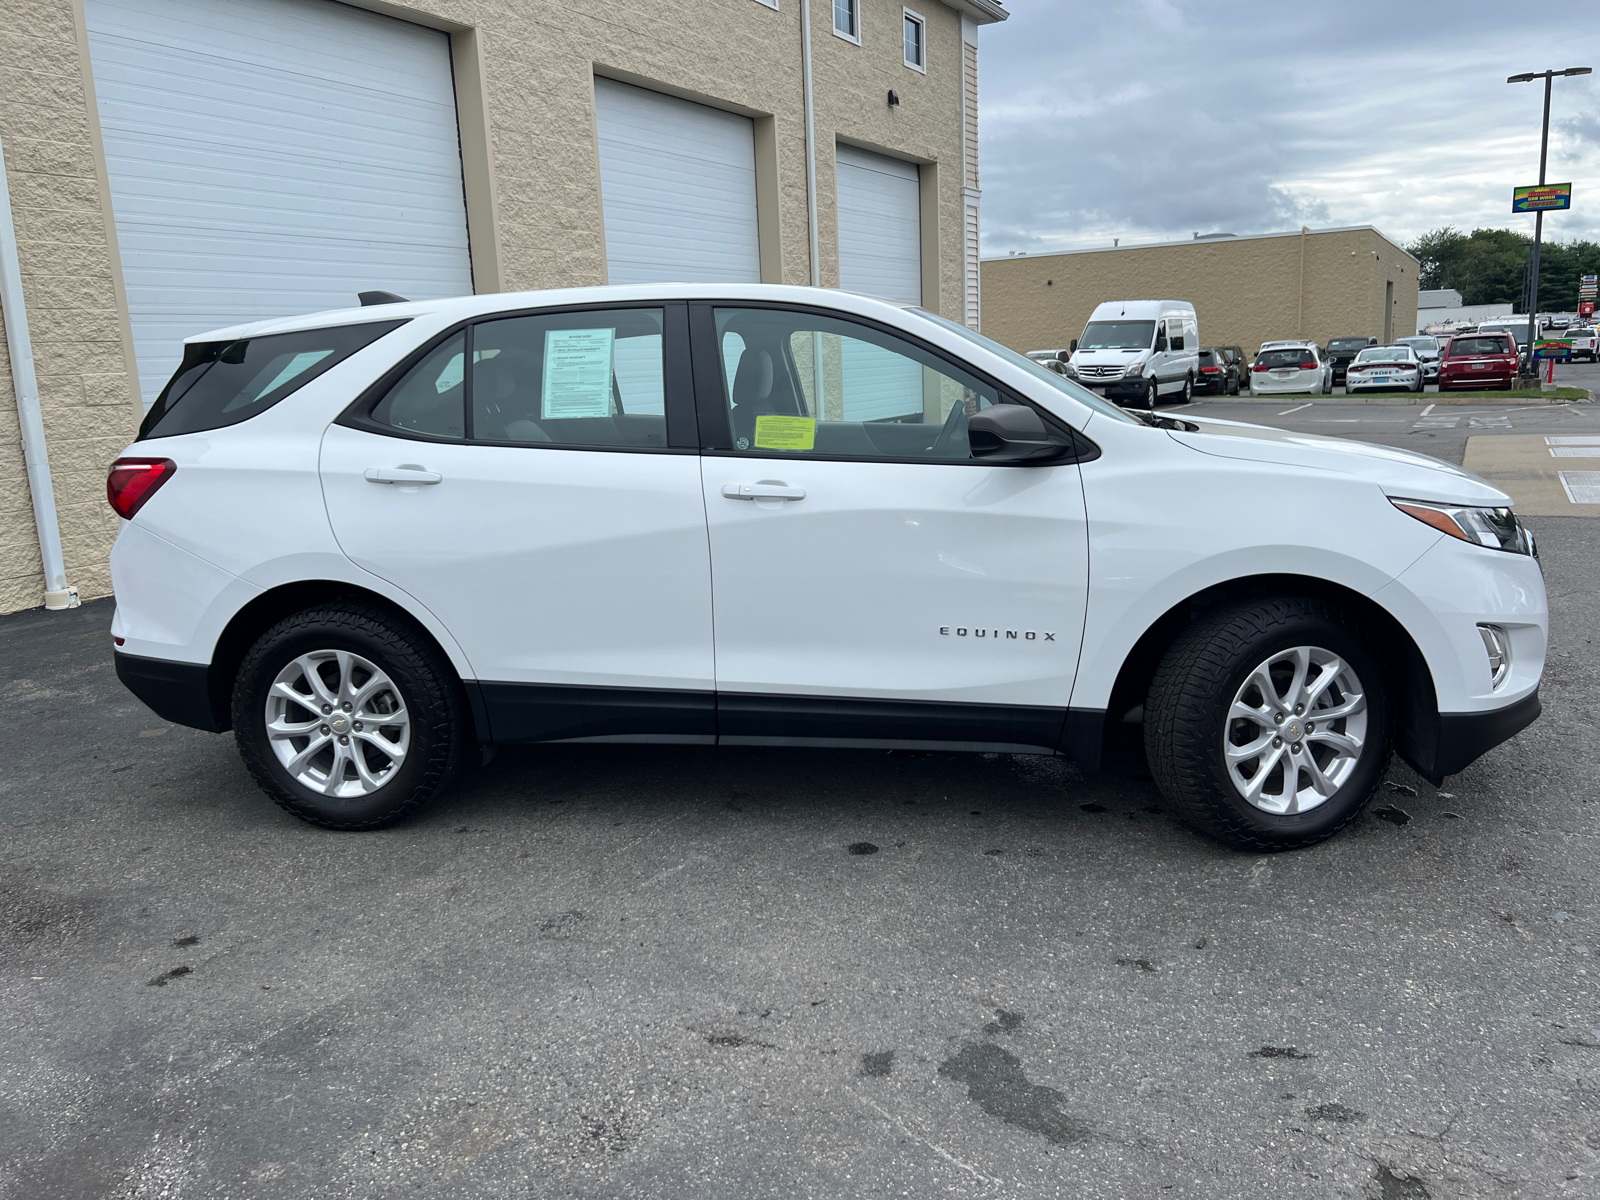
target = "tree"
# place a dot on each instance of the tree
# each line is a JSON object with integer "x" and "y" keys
{"x": 1490, "y": 266}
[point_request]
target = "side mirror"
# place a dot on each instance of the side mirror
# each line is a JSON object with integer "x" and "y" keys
{"x": 1012, "y": 433}
{"x": 1161, "y": 342}
{"x": 1073, "y": 349}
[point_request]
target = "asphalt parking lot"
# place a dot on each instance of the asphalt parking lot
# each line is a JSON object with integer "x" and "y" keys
{"x": 673, "y": 971}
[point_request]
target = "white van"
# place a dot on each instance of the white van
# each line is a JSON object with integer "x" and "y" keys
{"x": 1136, "y": 350}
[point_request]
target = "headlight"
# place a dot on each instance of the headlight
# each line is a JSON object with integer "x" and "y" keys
{"x": 1497, "y": 528}
{"x": 1134, "y": 369}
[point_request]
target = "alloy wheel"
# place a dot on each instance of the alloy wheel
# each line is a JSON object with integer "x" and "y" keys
{"x": 1295, "y": 731}
{"x": 337, "y": 723}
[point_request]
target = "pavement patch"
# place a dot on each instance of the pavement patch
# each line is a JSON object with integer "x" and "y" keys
{"x": 1541, "y": 484}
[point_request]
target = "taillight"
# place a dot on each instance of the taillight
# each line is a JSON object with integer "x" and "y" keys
{"x": 132, "y": 481}
{"x": 1259, "y": 367}
{"x": 1209, "y": 370}
{"x": 1308, "y": 366}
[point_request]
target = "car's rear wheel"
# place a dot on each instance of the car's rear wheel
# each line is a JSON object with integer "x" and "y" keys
{"x": 1267, "y": 724}
{"x": 348, "y": 717}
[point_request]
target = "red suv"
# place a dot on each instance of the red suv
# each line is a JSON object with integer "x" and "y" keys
{"x": 1478, "y": 360}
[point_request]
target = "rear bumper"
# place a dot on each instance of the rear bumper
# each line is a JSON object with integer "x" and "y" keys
{"x": 179, "y": 692}
{"x": 1462, "y": 738}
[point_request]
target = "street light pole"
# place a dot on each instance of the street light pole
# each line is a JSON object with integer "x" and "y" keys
{"x": 1538, "y": 216}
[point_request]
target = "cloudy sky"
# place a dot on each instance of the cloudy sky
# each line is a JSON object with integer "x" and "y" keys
{"x": 1151, "y": 119}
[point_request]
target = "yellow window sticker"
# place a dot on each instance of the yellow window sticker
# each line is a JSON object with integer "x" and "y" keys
{"x": 785, "y": 433}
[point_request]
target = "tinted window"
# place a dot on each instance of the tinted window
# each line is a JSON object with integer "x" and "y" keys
{"x": 1284, "y": 358}
{"x": 1464, "y": 346}
{"x": 575, "y": 379}
{"x": 1346, "y": 345}
{"x": 798, "y": 383}
{"x": 223, "y": 383}
{"x": 1384, "y": 354}
{"x": 429, "y": 397}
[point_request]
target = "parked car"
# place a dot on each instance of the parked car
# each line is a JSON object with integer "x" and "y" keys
{"x": 1384, "y": 369}
{"x": 1341, "y": 352}
{"x": 1479, "y": 360}
{"x": 1584, "y": 341}
{"x": 1427, "y": 348}
{"x": 1517, "y": 330}
{"x": 1046, "y": 357}
{"x": 1240, "y": 361}
{"x": 1137, "y": 351}
{"x": 1290, "y": 368}
{"x": 1218, "y": 376}
{"x": 372, "y": 541}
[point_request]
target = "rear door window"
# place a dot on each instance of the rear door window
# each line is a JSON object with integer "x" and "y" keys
{"x": 223, "y": 383}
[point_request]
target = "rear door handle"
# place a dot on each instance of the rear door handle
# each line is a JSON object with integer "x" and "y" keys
{"x": 762, "y": 491}
{"x": 406, "y": 475}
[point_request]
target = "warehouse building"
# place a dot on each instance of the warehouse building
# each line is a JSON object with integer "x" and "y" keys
{"x": 175, "y": 166}
{"x": 1315, "y": 283}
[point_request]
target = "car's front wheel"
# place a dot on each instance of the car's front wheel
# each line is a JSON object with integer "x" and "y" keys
{"x": 348, "y": 717}
{"x": 1267, "y": 724}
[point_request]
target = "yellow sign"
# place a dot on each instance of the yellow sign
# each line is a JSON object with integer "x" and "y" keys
{"x": 785, "y": 433}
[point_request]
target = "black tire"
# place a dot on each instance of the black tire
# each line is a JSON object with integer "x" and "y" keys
{"x": 1152, "y": 394}
{"x": 1186, "y": 720}
{"x": 439, "y": 725}
{"x": 1187, "y": 395}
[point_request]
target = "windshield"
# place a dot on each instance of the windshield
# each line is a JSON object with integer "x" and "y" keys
{"x": 1082, "y": 395}
{"x": 1516, "y": 332}
{"x": 1384, "y": 354}
{"x": 1117, "y": 335}
{"x": 1345, "y": 345}
{"x": 1422, "y": 345}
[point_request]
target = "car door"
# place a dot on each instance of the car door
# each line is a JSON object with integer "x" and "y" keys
{"x": 872, "y": 580}
{"x": 533, "y": 480}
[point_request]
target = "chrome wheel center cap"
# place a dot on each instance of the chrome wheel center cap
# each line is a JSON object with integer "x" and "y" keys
{"x": 339, "y": 723}
{"x": 1293, "y": 730}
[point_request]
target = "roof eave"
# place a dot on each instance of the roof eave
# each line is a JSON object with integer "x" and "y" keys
{"x": 984, "y": 12}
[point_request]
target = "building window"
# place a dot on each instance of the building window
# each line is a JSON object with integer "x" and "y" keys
{"x": 916, "y": 41}
{"x": 847, "y": 19}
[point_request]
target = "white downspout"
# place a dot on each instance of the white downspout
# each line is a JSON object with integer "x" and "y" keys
{"x": 811, "y": 141}
{"x": 25, "y": 384}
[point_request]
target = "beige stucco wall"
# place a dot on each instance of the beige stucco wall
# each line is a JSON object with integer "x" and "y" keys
{"x": 1245, "y": 291}
{"x": 533, "y": 185}
{"x": 71, "y": 283}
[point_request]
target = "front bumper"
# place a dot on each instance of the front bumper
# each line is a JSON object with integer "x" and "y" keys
{"x": 1463, "y": 738}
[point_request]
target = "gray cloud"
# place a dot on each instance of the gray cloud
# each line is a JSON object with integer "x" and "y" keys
{"x": 1146, "y": 119}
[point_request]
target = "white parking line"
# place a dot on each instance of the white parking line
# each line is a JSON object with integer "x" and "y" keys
{"x": 1287, "y": 411}
{"x": 1425, "y": 411}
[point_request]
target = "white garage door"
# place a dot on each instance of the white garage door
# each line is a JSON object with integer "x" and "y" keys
{"x": 678, "y": 182}
{"x": 273, "y": 157}
{"x": 880, "y": 226}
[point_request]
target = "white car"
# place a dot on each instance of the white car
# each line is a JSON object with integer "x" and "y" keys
{"x": 1585, "y": 341}
{"x": 1290, "y": 369}
{"x": 1384, "y": 369}
{"x": 1428, "y": 353}
{"x": 373, "y": 541}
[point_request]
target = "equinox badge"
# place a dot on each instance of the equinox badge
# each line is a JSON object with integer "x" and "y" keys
{"x": 1026, "y": 635}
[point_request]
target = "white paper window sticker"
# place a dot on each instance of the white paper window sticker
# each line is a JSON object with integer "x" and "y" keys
{"x": 297, "y": 365}
{"x": 577, "y": 373}
{"x": 450, "y": 376}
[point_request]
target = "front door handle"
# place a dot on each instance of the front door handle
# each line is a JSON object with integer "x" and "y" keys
{"x": 403, "y": 475}
{"x": 762, "y": 491}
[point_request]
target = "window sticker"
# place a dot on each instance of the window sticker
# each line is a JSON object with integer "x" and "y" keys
{"x": 297, "y": 365}
{"x": 785, "y": 433}
{"x": 449, "y": 377}
{"x": 577, "y": 373}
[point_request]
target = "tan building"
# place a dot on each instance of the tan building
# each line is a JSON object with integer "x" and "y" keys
{"x": 178, "y": 165}
{"x": 1316, "y": 284}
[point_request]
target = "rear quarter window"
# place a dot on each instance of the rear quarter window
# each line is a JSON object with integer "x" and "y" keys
{"x": 223, "y": 383}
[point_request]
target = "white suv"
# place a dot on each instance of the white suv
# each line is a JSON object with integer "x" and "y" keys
{"x": 372, "y": 541}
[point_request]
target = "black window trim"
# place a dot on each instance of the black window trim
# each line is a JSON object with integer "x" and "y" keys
{"x": 682, "y": 430}
{"x": 711, "y": 401}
